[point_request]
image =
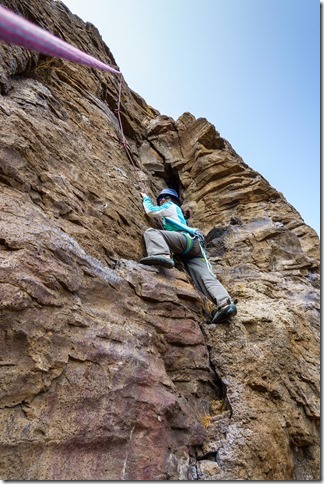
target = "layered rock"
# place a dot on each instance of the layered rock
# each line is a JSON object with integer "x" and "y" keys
{"x": 109, "y": 370}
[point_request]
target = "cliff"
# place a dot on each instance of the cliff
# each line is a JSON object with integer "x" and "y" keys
{"x": 109, "y": 370}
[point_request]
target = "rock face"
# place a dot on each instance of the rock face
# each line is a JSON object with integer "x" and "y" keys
{"x": 108, "y": 368}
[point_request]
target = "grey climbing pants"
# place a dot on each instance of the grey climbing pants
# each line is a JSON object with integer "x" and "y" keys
{"x": 163, "y": 242}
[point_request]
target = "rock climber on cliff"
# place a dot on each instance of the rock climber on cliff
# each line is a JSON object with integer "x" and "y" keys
{"x": 187, "y": 243}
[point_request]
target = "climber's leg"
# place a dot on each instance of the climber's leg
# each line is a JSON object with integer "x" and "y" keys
{"x": 160, "y": 244}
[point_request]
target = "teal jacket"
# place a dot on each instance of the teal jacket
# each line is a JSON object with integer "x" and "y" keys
{"x": 169, "y": 215}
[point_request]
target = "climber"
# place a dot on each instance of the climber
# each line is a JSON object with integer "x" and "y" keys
{"x": 175, "y": 236}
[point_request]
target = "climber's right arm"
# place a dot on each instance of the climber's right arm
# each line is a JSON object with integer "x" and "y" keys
{"x": 152, "y": 210}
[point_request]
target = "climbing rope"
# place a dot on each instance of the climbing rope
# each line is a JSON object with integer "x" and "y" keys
{"x": 15, "y": 29}
{"x": 124, "y": 142}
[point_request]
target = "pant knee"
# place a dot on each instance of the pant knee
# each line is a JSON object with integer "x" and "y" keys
{"x": 152, "y": 235}
{"x": 150, "y": 231}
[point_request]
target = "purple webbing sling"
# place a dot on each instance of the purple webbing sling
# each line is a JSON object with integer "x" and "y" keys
{"x": 19, "y": 31}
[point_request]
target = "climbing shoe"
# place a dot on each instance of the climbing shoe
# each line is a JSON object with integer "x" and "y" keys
{"x": 158, "y": 260}
{"x": 223, "y": 313}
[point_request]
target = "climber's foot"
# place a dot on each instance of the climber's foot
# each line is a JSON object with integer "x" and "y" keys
{"x": 221, "y": 315}
{"x": 158, "y": 260}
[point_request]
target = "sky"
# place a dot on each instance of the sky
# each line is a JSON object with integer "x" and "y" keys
{"x": 250, "y": 67}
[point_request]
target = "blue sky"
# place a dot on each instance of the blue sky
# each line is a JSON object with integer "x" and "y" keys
{"x": 251, "y": 67}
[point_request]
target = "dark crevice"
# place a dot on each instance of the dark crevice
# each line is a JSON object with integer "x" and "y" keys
{"x": 179, "y": 143}
{"x": 172, "y": 180}
{"x": 171, "y": 177}
{"x": 223, "y": 389}
{"x": 208, "y": 456}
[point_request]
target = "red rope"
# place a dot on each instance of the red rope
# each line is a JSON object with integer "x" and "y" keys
{"x": 15, "y": 29}
{"x": 124, "y": 142}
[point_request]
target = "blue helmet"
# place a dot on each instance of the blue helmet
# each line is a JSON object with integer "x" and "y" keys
{"x": 168, "y": 191}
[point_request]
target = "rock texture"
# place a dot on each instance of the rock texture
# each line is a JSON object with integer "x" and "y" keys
{"x": 108, "y": 368}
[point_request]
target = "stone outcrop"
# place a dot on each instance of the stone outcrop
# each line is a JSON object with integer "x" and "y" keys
{"x": 109, "y": 370}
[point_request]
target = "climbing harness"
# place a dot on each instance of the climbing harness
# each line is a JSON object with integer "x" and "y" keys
{"x": 15, "y": 29}
{"x": 189, "y": 243}
{"x": 194, "y": 234}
